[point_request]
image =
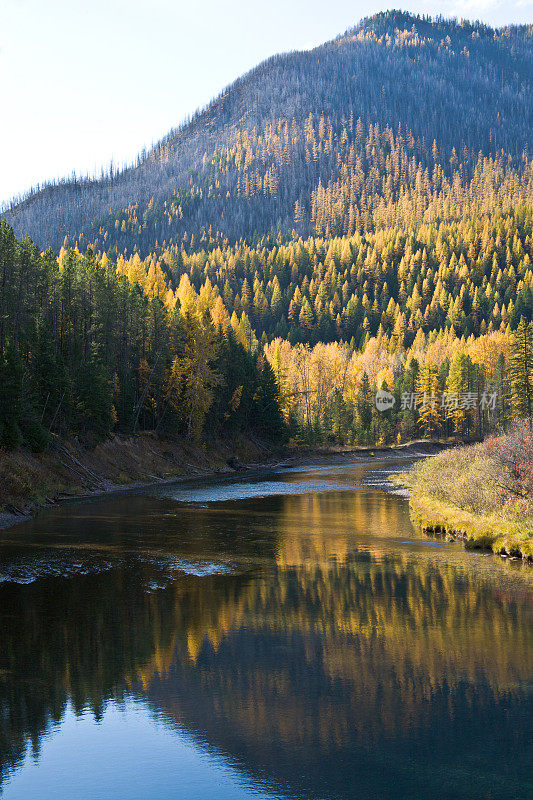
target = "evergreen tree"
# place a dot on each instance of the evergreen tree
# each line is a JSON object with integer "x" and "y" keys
{"x": 429, "y": 401}
{"x": 93, "y": 397}
{"x": 520, "y": 370}
{"x": 11, "y": 376}
{"x": 457, "y": 386}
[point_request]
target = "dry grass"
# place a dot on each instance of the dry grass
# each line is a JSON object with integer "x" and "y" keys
{"x": 459, "y": 493}
{"x": 71, "y": 468}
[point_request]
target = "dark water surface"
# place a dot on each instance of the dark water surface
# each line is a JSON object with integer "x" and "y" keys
{"x": 288, "y": 636}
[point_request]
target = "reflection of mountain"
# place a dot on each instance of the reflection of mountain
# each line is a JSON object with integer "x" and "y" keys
{"x": 354, "y": 677}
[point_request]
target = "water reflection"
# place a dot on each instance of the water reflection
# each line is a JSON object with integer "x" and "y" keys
{"x": 327, "y": 652}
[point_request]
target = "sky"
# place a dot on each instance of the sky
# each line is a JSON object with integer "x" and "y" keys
{"x": 85, "y": 82}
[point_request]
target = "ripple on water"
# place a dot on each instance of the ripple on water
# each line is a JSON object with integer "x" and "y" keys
{"x": 247, "y": 491}
{"x": 28, "y": 569}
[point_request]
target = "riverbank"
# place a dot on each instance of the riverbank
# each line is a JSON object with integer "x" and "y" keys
{"x": 69, "y": 470}
{"x": 477, "y": 494}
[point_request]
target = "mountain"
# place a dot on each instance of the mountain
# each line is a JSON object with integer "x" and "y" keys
{"x": 330, "y": 141}
{"x": 352, "y": 218}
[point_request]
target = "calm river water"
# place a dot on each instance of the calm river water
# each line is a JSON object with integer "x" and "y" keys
{"x": 287, "y": 636}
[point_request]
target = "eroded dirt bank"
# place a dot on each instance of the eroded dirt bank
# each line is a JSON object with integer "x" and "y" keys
{"x": 69, "y": 469}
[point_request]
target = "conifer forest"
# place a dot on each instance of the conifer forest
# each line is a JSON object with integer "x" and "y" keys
{"x": 347, "y": 219}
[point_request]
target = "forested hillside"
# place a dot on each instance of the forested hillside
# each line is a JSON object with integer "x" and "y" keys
{"x": 472, "y": 271}
{"x": 337, "y": 139}
{"x": 352, "y": 218}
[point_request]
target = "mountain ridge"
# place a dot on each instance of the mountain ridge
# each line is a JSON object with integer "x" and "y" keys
{"x": 410, "y": 74}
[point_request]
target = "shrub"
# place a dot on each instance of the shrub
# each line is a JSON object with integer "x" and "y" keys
{"x": 491, "y": 478}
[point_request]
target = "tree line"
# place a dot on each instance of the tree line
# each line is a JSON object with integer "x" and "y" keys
{"x": 442, "y": 386}
{"x": 183, "y": 337}
{"x": 85, "y": 351}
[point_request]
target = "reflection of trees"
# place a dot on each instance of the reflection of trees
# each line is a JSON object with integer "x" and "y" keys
{"x": 310, "y": 661}
{"x": 317, "y": 527}
{"x": 321, "y": 671}
{"x": 342, "y": 669}
{"x": 81, "y": 639}
{"x": 373, "y": 618}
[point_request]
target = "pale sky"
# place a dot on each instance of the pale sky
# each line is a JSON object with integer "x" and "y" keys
{"x": 87, "y": 81}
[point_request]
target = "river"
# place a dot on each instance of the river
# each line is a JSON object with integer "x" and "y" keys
{"x": 284, "y": 635}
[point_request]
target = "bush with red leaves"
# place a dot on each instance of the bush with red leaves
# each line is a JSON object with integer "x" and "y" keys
{"x": 513, "y": 453}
